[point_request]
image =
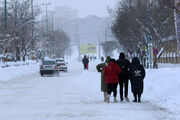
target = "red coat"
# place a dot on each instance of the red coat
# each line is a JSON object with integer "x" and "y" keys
{"x": 111, "y": 73}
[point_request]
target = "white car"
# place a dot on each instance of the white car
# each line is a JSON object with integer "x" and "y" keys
{"x": 49, "y": 67}
{"x": 62, "y": 64}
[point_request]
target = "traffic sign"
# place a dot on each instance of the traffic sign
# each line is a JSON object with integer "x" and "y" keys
{"x": 155, "y": 51}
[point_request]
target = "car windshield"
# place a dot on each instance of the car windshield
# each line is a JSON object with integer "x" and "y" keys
{"x": 60, "y": 61}
{"x": 48, "y": 62}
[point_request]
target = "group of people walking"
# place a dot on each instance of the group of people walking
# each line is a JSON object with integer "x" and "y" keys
{"x": 114, "y": 72}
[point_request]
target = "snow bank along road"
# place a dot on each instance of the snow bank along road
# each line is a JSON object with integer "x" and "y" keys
{"x": 71, "y": 96}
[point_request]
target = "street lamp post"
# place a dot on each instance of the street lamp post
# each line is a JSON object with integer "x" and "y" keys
{"x": 52, "y": 15}
{"x": 5, "y": 14}
{"x": 32, "y": 13}
{"x": 46, "y": 4}
{"x": 52, "y": 33}
{"x": 149, "y": 43}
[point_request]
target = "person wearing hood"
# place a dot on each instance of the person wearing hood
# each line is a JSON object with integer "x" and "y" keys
{"x": 85, "y": 62}
{"x": 111, "y": 74}
{"x": 100, "y": 68}
{"x": 137, "y": 74}
{"x": 124, "y": 64}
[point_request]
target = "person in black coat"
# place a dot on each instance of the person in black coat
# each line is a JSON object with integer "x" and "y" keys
{"x": 124, "y": 64}
{"x": 137, "y": 74}
{"x": 85, "y": 61}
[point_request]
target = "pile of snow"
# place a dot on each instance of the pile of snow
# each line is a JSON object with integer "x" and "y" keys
{"x": 162, "y": 86}
{"x": 17, "y": 69}
{"x": 19, "y": 63}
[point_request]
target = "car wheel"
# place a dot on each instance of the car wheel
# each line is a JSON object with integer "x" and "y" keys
{"x": 41, "y": 75}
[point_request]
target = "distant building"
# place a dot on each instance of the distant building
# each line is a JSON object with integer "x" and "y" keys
{"x": 94, "y": 30}
{"x": 62, "y": 18}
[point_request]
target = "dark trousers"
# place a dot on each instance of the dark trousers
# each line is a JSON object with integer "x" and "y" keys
{"x": 112, "y": 88}
{"x": 137, "y": 95}
{"x": 85, "y": 66}
{"x": 123, "y": 83}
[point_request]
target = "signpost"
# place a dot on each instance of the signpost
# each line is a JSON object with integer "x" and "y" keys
{"x": 155, "y": 52}
{"x": 149, "y": 59}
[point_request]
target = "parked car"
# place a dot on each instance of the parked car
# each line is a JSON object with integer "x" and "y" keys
{"x": 49, "y": 67}
{"x": 62, "y": 64}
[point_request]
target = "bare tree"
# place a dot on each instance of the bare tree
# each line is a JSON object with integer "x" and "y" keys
{"x": 58, "y": 43}
{"x": 108, "y": 47}
{"x": 19, "y": 26}
{"x": 137, "y": 19}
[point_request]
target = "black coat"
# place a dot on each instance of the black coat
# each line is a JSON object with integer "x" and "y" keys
{"x": 137, "y": 74}
{"x": 85, "y": 61}
{"x": 124, "y": 64}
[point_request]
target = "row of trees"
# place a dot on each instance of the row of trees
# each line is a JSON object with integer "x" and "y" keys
{"x": 16, "y": 35}
{"x": 138, "y": 21}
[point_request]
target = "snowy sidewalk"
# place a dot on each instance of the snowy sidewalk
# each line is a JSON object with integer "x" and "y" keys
{"x": 17, "y": 70}
{"x": 71, "y": 96}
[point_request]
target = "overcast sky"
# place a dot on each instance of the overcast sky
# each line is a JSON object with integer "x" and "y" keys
{"x": 84, "y": 7}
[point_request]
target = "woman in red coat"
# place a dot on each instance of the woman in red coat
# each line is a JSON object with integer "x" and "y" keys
{"x": 111, "y": 74}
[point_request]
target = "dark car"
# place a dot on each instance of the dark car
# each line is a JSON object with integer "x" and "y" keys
{"x": 49, "y": 67}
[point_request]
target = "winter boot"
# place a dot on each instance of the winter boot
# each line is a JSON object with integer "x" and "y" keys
{"x": 105, "y": 96}
{"x": 135, "y": 98}
{"x": 139, "y": 98}
{"x": 108, "y": 97}
{"x": 121, "y": 99}
{"x": 115, "y": 100}
{"x": 127, "y": 99}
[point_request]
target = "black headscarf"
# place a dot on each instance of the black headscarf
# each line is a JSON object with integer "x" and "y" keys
{"x": 121, "y": 55}
{"x": 135, "y": 60}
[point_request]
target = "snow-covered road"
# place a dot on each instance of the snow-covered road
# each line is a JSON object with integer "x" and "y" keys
{"x": 71, "y": 96}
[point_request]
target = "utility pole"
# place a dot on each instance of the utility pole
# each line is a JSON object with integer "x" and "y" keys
{"x": 52, "y": 15}
{"x": 5, "y": 22}
{"x": 47, "y": 40}
{"x": 32, "y": 13}
{"x": 52, "y": 21}
{"x": 177, "y": 24}
{"x": 5, "y": 14}
{"x": 149, "y": 43}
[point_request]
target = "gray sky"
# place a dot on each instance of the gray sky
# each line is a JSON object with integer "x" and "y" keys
{"x": 84, "y": 7}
